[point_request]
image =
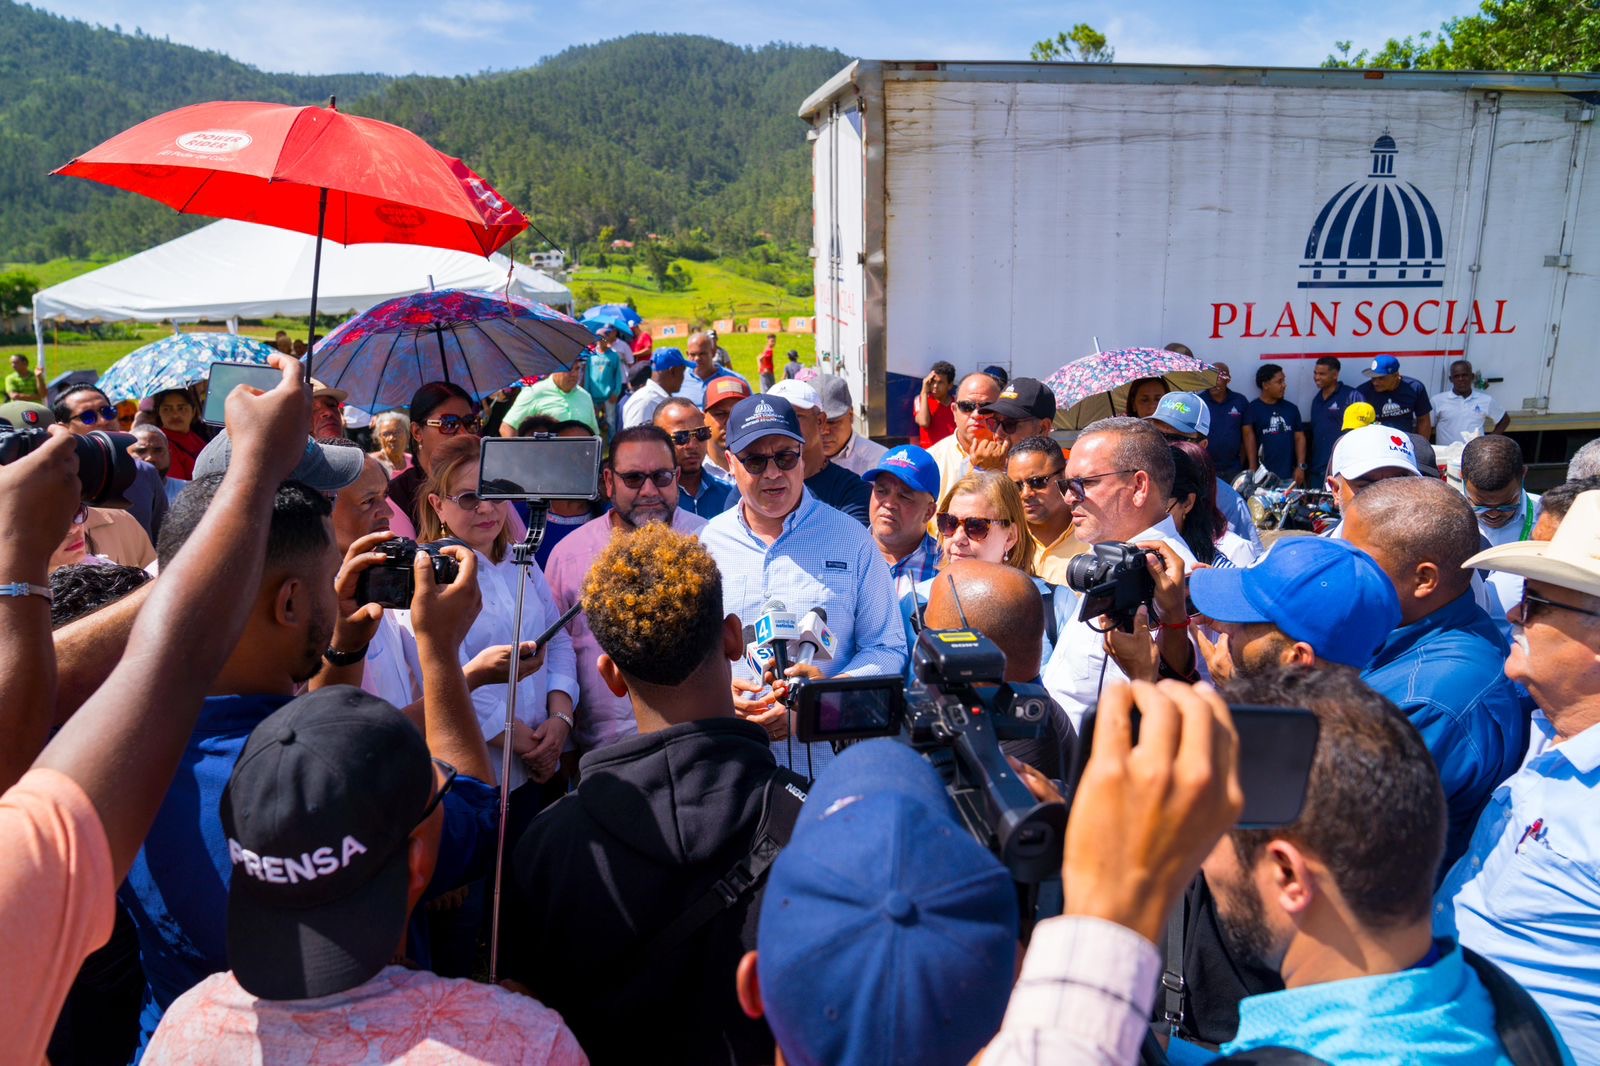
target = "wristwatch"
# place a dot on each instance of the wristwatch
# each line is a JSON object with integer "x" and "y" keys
{"x": 345, "y": 658}
{"x": 22, "y": 588}
{"x": 1304, "y": 466}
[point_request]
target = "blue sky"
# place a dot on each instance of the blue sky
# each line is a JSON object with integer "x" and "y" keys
{"x": 466, "y": 36}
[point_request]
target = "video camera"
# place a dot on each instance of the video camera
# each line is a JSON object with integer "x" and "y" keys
{"x": 105, "y": 469}
{"x": 1115, "y": 582}
{"x": 392, "y": 582}
{"x": 955, "y": 714}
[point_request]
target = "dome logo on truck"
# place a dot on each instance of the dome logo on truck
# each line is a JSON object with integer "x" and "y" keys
{"x": 1377, "y": 233}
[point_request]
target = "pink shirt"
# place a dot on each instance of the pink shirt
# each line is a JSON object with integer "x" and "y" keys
{"x": 56, "y": 891}
{"x": 400, "y": 1016}
{"x": 602, "y": 717}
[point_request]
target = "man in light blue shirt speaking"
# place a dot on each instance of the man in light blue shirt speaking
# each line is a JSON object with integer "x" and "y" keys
{"x": 781, "y": 545}
{"x": 1527, "y": 892}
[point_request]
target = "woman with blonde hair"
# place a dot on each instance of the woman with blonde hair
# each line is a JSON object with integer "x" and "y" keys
{"x": 981, "y": 517}
{"x": 449, "y": 508}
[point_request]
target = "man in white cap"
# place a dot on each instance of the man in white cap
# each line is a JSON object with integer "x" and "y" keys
{"x": 1526, "y": 893}
{"x": 1365, "y": 457}
{"x": 840, "y": 440}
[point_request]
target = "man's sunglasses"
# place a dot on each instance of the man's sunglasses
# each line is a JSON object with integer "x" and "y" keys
{"x": 450, "y": 775}
{"x": 89, "y": 418}
{"x": 450, "y": 425}
{"x": 968, "y": 407}
{"x": 684, "y": 436}
{"x": 635, "y": 478}
{"x": 1079, "y": 486}
{"x": 1483, "y": 510}
{"x": 1526, "y": 612}
{"x": 757, "y": 464}
{"x": 1038, "y": 484}
{"x": 977, "y": 528}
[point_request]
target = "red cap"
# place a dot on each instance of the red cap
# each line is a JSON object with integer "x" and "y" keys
{"x": 725, "y": 388}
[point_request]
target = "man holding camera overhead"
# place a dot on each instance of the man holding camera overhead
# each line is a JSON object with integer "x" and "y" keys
{"x": 1119, "y": 482}
{"x": 783, "y": 551}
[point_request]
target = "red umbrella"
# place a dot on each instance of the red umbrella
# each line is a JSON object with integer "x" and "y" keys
{"x": 310, "y": 169}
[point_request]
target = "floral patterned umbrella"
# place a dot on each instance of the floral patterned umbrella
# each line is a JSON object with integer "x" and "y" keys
{"x": 177, "y": 362}
{"x": 1096, "y": 386}
{"x": 482, "y": 341}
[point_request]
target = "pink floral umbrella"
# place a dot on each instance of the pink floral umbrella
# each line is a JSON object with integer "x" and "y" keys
{"x": 1096, "y": 386}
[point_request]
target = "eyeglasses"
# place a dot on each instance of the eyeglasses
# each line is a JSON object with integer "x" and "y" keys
{"x": 1534, "y": 598}
{"x": 469, "y": 501}
{"x": 1079, "y": 486}
{"x": 757, "y": 464}
{"x": 89, "y": 418}
{"x": 450, "y": 425}
{"x": 684, "y": 436}
{"x": 1483, "y": 510}
{"x": 635, "y": 478}
{"x": 968, "y": 407}
{"x": 450, "y": 775}
{"x": 1038, "y": 484}
{"x": 80, "y": 516}
{"x": 977, "y": 528}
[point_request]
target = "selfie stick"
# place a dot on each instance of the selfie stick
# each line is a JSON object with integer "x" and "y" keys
{"x": 523, "y": 555}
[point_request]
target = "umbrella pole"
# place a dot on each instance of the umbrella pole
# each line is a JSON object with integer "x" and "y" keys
{"x": 316, "y": 278}
{"x": 444, "y": 362}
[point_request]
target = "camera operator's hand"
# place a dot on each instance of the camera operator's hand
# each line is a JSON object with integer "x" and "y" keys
{"x": 357, "y": 624}
{"x": 1145, "y": 815}
{"x": 39, "y": 494}
{"x": 1044, "y": 790}
{"x": 1167, "y": 571}
{"x": 268, "y": 430}
{"x": 445, "y": 612}
{"x": 491, "y": 666}
{"x": 990, "y": 454}
{"x": 1135, "y": 653}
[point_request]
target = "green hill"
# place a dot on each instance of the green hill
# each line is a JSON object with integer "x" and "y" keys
{"x": 643, "y": 134}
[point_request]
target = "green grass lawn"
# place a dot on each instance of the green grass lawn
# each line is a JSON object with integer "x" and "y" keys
{"x": 714, "y": 292}
{"x": 56, "y": 270}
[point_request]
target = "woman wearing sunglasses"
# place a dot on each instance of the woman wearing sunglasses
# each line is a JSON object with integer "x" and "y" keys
{"x": 186, "y": 435}
{"x": 440, "y": 411}
{"x": 452, "y": 510}
{"x": 74, "y": 547}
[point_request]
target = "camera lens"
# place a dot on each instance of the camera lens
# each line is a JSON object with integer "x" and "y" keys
{"x": 105, "y": 469}
{"x": 1084, "y": 572}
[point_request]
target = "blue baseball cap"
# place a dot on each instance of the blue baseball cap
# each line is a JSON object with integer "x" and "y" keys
{"x": 910, "y": 464}
{"x": 667, "y": 358}
{"x": 1382, "y": 365}
{"x": 880, "y": 881}
{"x": 755, "y": 417}
{"x": 1184, "y": 412}
{"x": 1328, "y": 593}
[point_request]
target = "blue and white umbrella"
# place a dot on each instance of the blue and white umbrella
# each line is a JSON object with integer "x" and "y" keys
{"x": 622, "y": 311}
{"x": 176, "y": 362}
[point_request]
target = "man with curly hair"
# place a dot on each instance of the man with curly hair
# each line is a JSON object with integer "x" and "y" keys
{"x": 656, "y": 820}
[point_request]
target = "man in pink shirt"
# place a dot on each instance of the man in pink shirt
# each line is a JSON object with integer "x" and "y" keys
{"x": 641, "y": 481}
{"x": 70, "y": 828}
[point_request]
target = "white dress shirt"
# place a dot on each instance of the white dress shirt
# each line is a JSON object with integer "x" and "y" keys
{"x": 1458, "y": 419}
{"x": 639, "y": 407}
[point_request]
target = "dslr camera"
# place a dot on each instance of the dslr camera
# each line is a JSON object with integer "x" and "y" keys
{"x": 105, "y": 469}
{"x": 955, "y": 713}
{"x": 1115, "y": 582}
{"x": 392, "y": 582}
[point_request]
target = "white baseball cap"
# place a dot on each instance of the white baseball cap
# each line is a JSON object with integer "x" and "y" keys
{"x": 1570, "y": 559}
{"x": 798, "y": 393}
{"x": 1361, "y": 451}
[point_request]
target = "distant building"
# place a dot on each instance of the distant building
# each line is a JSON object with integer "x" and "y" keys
{"x": 620, "y": 245}
{"x": 548, "y": 261}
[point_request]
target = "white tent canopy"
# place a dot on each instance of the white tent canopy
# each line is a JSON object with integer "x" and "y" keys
{"x": 231, "y": 270}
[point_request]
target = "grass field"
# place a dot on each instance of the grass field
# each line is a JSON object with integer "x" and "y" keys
{"x": 714, "y": 292}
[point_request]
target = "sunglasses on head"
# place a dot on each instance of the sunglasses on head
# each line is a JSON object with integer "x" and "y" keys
{"x": 757, "y": 464}
{"x": 89, "y": 418}
{"x": 977, "y": 528}
{"x": 635, "y": 478}
{"x": 450, "y": 425}
{"x": 684, "y": 436}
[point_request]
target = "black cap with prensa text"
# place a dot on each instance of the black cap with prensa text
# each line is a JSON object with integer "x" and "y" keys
{"x": 317, "y": 814}
{"x": 1023, "y": 398}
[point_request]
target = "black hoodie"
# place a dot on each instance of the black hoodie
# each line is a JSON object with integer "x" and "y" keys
{"x": 656, "y": 820}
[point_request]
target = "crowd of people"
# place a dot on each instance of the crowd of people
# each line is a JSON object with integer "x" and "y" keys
{"x": 251, "y": 814}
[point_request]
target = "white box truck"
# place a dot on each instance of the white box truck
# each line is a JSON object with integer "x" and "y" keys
{"x": 1012, "y": 213}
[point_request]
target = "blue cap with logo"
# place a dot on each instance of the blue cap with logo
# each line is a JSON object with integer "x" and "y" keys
{"x": 881, "y": 880}
{"x": 667, "y": 358}
{"x": 1382, "y": 366}
{"x": 1184, "y": 412}
{"x": 910, "y": 464}
{"x": 1328, "y": 593}
{"x": 755, "y": 417}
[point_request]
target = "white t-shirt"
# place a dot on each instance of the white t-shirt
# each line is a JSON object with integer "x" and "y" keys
{"x": 1458, "y": 419}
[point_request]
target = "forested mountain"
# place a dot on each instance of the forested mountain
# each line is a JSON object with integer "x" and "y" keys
{"x": 644, "y": 133}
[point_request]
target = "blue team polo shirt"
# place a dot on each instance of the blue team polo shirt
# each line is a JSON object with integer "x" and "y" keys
{"x": 1325, "y": 425}
{"x": 1225, "y": 438}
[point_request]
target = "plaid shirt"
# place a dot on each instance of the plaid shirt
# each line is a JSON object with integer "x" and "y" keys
{"x": 915, "y": 568}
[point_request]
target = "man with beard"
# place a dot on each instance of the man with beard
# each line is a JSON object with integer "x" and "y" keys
{"x": 1340, "y": 902}
{"x": 641, "y": 481}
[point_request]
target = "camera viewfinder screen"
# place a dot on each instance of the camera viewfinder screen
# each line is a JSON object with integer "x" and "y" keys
{"x": 521, "y": 468}
{"x": 865, "y": 710}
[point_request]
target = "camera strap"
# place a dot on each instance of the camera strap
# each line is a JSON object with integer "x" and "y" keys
{"x": 781, "y": 804}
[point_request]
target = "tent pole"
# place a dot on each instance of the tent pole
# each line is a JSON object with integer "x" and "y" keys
{"x": 316, "y": 278}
